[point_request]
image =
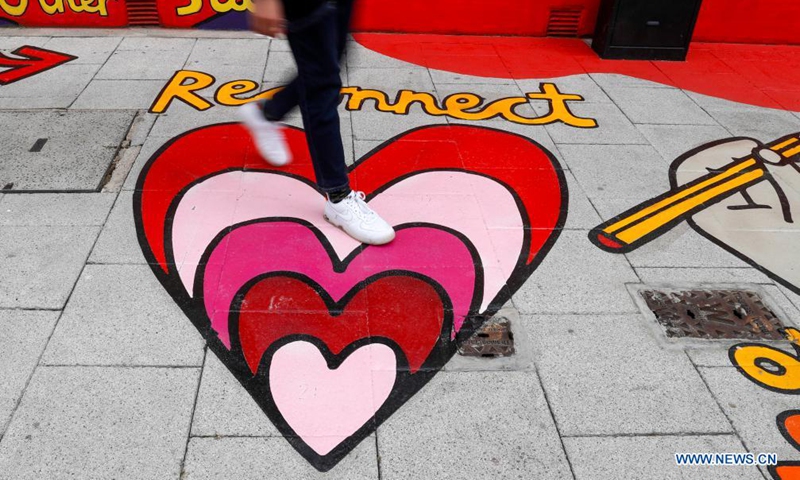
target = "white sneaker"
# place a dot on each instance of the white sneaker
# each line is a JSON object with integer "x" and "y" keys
{"x": 267, "y": 135}
{"x": 358, "y": 220}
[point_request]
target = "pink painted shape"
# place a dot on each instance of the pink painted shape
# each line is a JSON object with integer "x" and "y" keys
{"x": 325, "y": 406}
{"x": 457, "y": 200}
{"x": 266, "y": 247}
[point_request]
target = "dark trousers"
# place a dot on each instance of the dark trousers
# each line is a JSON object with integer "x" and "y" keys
{"x": 317, "y": 42}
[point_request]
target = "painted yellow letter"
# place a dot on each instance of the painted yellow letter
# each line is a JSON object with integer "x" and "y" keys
{"x": 176, "y": 88}
{"x": 14, "y": 10}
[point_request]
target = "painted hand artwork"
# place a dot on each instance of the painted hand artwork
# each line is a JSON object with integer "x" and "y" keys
{"x": 330, "y": 337}
{"x": 739, "y": 193}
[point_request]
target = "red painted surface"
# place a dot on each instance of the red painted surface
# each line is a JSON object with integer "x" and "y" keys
{"x": 385, "y": 308}
{"x": 31, "y": 13}
{"x": 749, "y": 21}
{"x": 498, "y": 17}
{"x": 758, "y": 75}
{"x": 29, "y": 61}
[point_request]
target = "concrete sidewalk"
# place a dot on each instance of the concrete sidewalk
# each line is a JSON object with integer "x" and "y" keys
{"x": 104, "y": 376}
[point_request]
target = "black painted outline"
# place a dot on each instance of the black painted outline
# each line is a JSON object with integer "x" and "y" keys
{"x": 411, "y": 384}
{"x": 23, "y": 56}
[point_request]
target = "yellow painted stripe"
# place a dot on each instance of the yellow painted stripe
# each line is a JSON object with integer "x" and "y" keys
{"x": 791, "y": 152}
{"x": 651, "y": 224}
{"x": 683, "y": 193}
{"x": 785, "y": 144}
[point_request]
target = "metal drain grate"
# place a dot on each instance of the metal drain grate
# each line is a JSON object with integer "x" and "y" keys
{"x": 142, "y": 13}
{"x": 714, "y": 314}
{"x": 494, "y": 339}
{"x": 564, "y": 21}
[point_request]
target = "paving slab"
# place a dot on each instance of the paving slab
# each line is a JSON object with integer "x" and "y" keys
{"x": 441, "y": 77}
{"x": 25, "y": 334}
{"x": 660, "y": 106}
{"x": 181, "y": 118}
{"x": 701, "y": 275}
{"x": 280, "y": 67}
{"x": 159, "y": 44}
{"x": 613, "y": 127}
{"x": 108, "y": 323}
{"x": 39, "y": 265}
{"x": 54, "y": 88}
{"x": 683, "y": 247}
{"x": 494, "y": 423}
{"x": 373, "y": 125}
{"x": 636, "y": 458}
{"x": 607, "y": 375}
{"x": 759, "y": 123}
{"x": 358, "y": 56}
{"x": 142, "y": 65}
{"x": 100, "y": 423}
{"x": 59, "y": 151}
{"x": 118, "y": 95}
{"x": 10, "y": 43}
{"x": 672, "y": 141}
{"x": 752, "y": 410}
{"x": 391, "y": 80}
{"x": 562, "y": 284}
{"x": 609, "y": 190}
{"x": 225, "y": 409}
{"x": 209, "y": 53}
{"x": 61, "y": 209}
{"x": 270, "y": 459}
{"x": 89, "y": 50}
{"x": 583, "y": 85}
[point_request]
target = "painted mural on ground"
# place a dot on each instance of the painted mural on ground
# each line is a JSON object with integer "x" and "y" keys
{"x": 312, "y": 322}
{"x": 185, "y": 86}
{"x": 27, "y": 61}
{"x": 740, "y": 193}
{"x": 778, "y": 371}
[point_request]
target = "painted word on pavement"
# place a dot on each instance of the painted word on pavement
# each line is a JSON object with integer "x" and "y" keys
{"x": 186, "y": 84}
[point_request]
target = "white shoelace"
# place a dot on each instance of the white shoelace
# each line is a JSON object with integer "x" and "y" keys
{"x": 363, "y": 211}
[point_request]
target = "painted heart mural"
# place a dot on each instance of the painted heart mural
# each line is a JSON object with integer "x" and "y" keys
{"x": 330, "y": 336}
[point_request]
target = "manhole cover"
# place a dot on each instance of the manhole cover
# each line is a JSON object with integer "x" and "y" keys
{"x": 494, "y": 339}
{"x": 714, "y": 314}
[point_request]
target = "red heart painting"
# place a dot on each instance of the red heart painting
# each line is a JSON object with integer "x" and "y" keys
{"x": 329, "y": 336}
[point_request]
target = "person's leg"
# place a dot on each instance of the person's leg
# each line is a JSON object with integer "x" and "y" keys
{"x": 313, "y": 41}
{"x": 285, "y": 100}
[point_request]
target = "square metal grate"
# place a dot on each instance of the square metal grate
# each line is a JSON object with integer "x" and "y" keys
{"x": 714, "y": 314}
{"x": 494, "y": 339}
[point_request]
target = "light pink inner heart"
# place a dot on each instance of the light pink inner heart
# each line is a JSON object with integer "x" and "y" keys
{"x": 463, "y": 202}
{"x": 313, "y": 398}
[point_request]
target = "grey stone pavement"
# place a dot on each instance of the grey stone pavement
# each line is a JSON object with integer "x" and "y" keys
{"x": 102, "y": 376}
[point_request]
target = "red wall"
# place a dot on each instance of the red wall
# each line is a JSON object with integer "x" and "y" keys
{"x": 735, "y": 21}
{"x": 492, "y": 17}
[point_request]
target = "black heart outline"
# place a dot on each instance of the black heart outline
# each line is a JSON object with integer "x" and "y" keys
{"x": 195, "y": 310}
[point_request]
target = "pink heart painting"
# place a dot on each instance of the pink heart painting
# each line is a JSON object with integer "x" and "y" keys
{"x": 329, "y": 336}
